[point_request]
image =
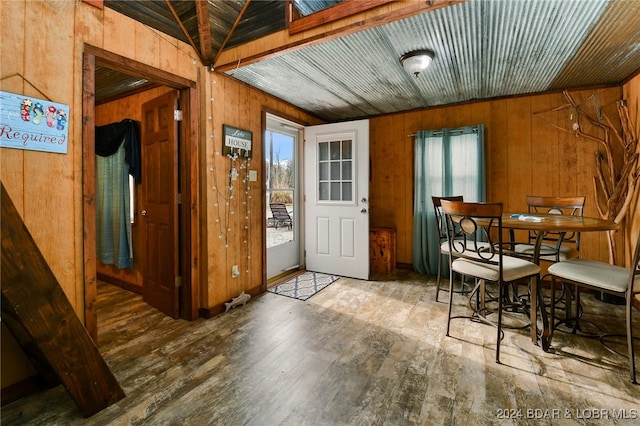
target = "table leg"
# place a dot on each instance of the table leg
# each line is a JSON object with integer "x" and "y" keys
{"x": 533, "y": 292}
{"x": 538, "y": 310}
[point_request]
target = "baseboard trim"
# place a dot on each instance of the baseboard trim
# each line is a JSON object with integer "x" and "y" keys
{"x": 120, "y": 283}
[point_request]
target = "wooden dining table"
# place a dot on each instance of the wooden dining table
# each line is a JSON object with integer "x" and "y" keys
{"x": 541, "y": 224}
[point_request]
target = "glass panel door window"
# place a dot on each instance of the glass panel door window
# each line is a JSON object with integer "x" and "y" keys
{"x": 280, "y": 186}
{"x": 335, "y": 171}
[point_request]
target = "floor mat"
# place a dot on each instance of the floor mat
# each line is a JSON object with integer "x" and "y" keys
{"x": 304, "y": 285}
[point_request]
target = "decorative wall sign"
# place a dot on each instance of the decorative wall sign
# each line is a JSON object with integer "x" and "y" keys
{"x": 236, "y": 142}
{"x": 33, "y": 124}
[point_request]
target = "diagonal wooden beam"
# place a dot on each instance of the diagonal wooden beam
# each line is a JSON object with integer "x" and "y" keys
{"x": 333, "y": 13}
{"x": 233, "y": 28}
{"x": 184, "y": 30}
{"x": 39, "y": 315}
{"x": 204, "y": 31}
{"x": 283, "y": 42}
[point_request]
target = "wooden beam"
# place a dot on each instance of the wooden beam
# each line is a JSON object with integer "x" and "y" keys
{"x": 281, "y": 42}
{"x": 333, "y": 13}
{"x": 204, "y": 32}
{"x": 37, "y": 312}
{"x": 184, "y": 30}
{"x": 89, "y": 195}
{"x": 135, "y": 68}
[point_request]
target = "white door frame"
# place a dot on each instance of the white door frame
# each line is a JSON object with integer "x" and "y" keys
{"x": 289, "y": 255}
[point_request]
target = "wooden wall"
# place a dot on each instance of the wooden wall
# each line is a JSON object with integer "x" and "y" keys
{"x": 47, "y": 188}
{"x": 631, "y": 91}
{"x": 236, "y": 238}
{"x": 525, "y": 155}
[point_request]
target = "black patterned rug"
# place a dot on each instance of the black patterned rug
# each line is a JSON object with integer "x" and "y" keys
{"x": 304, "y": 286}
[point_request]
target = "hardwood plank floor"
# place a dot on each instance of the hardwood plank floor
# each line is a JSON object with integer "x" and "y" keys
{"x": 357, "y": 353}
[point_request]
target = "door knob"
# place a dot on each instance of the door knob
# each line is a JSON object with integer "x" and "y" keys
{"x": 364, "y": 199}
{"x": 143, "y": 213}
{"x": 363, "y": 211}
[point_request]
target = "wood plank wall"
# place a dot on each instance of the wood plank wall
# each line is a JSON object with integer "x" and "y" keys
{"x": 525, "y": 155}
{"x": 47, "y": 188}
{"x": 228, "y": 242}
{"x": 631, "y": 91}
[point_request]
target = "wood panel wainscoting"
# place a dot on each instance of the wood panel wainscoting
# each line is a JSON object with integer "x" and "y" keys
{"x": 358, "y": 352}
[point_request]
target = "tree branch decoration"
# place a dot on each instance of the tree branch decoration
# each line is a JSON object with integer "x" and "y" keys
{"x": 615, "y": 182}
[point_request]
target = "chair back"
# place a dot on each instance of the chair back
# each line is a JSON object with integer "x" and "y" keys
{"x": 572, "y": 206}
{"x": 280, "y": 214}
{"x": 437, "y": 209}
{"x": 474, "y": 230}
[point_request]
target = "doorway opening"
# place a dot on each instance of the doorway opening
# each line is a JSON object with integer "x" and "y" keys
{"x": 186, "y": 192}
{"x": 282, "y": 142}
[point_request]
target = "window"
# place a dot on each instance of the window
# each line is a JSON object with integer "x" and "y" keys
{"x": 335, "y": 170}
{"x": 447, "y": 162}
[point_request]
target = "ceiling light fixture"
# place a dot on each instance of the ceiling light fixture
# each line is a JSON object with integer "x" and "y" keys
{"x": 417, "y": 61}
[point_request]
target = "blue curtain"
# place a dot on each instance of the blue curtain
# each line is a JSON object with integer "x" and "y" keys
{"x": 447, "y": 162}
{"x": 117, "y": 157}
{"x": 113, "y": 223}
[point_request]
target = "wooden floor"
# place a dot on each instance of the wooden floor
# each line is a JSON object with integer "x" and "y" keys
{"x": 359, "y": 352}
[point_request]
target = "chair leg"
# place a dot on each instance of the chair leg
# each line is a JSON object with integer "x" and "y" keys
{"x": 450, "y": 301}
{"x": 552, "y": 322}
{"x": 632, "y": 360}
{"x": 575, "y": 322}
{"x": 438, "y": 276}
{"x": 499, "y": 322}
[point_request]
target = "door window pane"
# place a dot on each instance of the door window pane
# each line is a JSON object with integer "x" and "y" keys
{"x": 323, "y": 170}
{"x": 346, "y": 149}
{"x": 335, "y": 170}
{"x": 346, "y": 170}
{"x": 335, "y": 150}
{"x": 324, "y": 190}
{"x": 335, "y": 191}
{"x": 346, "y": 190}
{"x": 323, "y": 151}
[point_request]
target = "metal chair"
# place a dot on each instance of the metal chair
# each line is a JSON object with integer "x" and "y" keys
{"x": 557, "y": 246}
{"x": 443, "y": 243}
{"x": 479, "y": 254}
{"x": 611, "y": 279}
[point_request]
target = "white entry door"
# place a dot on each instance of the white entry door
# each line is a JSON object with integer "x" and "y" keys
{"x": 337, "y": 198}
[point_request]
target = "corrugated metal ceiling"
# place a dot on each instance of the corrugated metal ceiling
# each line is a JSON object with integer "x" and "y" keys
{"x": 484, "y": 49}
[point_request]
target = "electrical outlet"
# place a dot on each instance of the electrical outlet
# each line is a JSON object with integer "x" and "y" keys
{"x": 235, "y": 272}
{"x": 253, "y": 175}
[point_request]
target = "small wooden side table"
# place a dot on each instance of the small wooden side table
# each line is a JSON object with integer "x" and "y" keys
{"x": 382, "y": 250}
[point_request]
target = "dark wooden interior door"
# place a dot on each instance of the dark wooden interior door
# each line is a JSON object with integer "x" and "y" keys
{"x": 159, "y": 204}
